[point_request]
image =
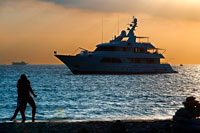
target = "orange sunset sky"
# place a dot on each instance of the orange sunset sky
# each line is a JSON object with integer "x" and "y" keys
{"x": 30, "y": 30}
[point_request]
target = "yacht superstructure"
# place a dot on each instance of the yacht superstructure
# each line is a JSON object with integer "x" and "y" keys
{"x": 122, "y": 55}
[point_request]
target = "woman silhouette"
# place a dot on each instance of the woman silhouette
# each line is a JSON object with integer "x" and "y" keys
{"x": 24, "y": 97}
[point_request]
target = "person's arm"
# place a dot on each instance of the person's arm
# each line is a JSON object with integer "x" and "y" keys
{"x": 31, "y": 90}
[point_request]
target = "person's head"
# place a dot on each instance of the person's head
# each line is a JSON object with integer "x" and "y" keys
{"x": 23, "y": 77}
{"x": 190, "y": 102}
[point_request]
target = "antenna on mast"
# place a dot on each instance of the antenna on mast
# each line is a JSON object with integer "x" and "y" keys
{"x": 118, "y": 24}
{"x": 102, "y": 30}
{"x": 133, "y": 19}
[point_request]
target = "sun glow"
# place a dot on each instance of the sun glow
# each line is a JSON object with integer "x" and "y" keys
{"x": 190, "y": 1}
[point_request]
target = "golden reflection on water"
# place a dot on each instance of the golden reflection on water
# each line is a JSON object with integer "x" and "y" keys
{"x": 64, "y": 95}
{"x": 190, "y": 78}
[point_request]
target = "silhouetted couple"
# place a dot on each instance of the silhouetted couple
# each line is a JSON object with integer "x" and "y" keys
{"x": 24, "y": 97}
{"x": 191, "y": 109}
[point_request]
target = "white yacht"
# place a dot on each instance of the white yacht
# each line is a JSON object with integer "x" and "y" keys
{"x": 122, "y": 55}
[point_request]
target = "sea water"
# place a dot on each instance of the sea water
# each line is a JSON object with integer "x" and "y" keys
{"x": 63, "y": 95}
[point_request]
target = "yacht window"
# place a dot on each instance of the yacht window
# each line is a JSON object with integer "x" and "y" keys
{"x": 135, "y": 50}
{"x": 137, "y": 60}
{"x": 107, "y": 48}
{"x": 141, "y": 50}
{"x": 111, "y": 60}
{"x": 128, "y": 49}
{"x": 138, "y": 50}
{"x": 124, "y": 49}
{"x": 131, "y": 60}
{"x": 150, "y": 61}
{"x": 144, "y": 60}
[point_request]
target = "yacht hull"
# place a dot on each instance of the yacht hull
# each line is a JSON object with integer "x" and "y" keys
{"x": 92, "y": 65}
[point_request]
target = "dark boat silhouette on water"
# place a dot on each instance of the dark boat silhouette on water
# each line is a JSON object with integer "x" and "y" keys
{"x": 22, "y": 63}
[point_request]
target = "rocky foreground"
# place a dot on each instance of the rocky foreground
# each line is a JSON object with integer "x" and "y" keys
{"x": 128, "y": 126}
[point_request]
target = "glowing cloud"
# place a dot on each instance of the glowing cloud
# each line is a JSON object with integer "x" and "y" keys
{"x": 32, "y": 29}
{"x": 179, "y": 9}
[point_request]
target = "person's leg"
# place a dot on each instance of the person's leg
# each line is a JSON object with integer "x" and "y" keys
{"x": 22, "y": 111}
{"x": 15, "y": 114}
{"x": 16, "y": 110}
{"x": 33, "y": 105}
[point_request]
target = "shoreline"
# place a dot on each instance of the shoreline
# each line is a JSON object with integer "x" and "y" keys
{"x": 74, "y": 121}
{"x": 85, "y": 126}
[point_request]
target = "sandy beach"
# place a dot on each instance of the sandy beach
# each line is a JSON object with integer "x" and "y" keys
{"x": 131, "y": 126}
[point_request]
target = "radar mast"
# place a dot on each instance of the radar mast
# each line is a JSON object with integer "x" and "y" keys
{"x": 131, "y": 36}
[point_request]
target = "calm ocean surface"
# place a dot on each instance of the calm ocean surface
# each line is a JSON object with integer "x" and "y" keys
{"x": 62, "y": 95}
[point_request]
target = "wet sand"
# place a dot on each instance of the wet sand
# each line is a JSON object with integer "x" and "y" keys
{"x": 131, "y": 126}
